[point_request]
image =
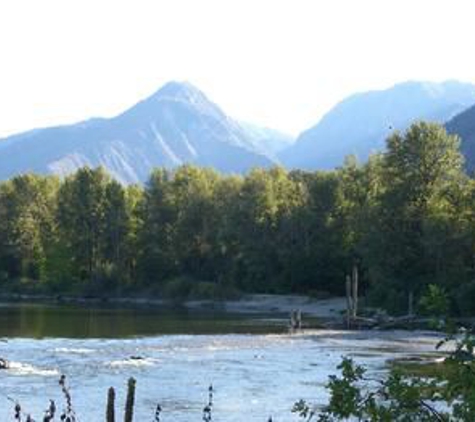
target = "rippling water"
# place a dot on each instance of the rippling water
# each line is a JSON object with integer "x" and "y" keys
{"x": 254, "y": 374}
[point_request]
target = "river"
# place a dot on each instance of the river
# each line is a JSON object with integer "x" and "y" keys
{"x": 257, "y": 369}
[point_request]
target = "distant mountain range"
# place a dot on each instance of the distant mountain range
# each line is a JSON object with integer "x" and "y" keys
{"x": 179, "y": 124}
{"x": 269, "y": 141}
{"x": 360, "y": 124}
{"x": 463, "y": 125}
{"x": 176, "y": 125}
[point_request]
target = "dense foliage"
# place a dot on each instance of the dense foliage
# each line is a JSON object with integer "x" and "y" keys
{"x": 406, "y": 218}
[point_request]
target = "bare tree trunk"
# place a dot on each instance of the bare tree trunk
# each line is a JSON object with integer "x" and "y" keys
{"x": 355, "y": 291}
{"x": 410, "y": 305}
{"x": 349, "y": 300}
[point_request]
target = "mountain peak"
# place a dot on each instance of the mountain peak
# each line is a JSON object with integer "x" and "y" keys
{"x": 173, "y": 94}
{"x": 184, "y": 91}
{"x": 176, "y": 125}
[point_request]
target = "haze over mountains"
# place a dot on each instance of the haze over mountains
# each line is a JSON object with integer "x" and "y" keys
{"x": 179, "y": 124}
{"x": 360, "y": 124}
{"x": 176, "y": 125}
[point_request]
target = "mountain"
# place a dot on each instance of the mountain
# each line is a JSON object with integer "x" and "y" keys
{"x": 360, "y": 124}
{"x": 176, "y": 125}
{"x": 269, "y": 141}
{"x": 463, "y": 125}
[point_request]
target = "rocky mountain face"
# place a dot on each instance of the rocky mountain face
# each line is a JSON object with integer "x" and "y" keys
{"x": 269, "y": 141}
{"x": 360, "y": 124}
{"x": 179, "y": 125}
{"x": 176, "y": 125}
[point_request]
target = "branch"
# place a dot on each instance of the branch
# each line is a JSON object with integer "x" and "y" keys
{"x": 434, "y": 412}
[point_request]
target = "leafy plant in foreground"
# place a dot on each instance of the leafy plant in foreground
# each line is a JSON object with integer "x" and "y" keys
{"x": 448, "y": 395}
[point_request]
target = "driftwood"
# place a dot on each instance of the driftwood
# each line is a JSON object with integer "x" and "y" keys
{"x": 406, "y": 321}
{"x": 129, "y": 404}
{"x": 381, "y": 322}
{"x": 69, "y": 414}
{"x": 110, "y": 411}
{"x": 295, "y": 322}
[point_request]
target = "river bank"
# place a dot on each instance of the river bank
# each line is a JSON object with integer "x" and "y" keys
{"x": 247, "y": 304}
{"x": 316, "y": 313}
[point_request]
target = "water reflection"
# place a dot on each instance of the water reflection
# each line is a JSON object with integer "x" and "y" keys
{"x": 73, "y": 321}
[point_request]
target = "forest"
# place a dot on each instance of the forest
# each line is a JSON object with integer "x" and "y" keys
{"x": 405, "y": 218}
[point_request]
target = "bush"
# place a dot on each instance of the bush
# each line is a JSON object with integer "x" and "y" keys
{"x": 389, "y": 298}
{"x": 177, "y": 289}
{"x": 465, "y": 299}
{"x": 184, "y": 288}
{"x": 434, "y": 302}
{"x": 3, "y": 277}
{"x": 206, "y": 290}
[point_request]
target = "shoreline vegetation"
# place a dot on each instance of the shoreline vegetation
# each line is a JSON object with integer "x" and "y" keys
{"x": 403, "y": 221}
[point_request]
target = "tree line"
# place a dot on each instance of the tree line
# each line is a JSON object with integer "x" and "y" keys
{"x": 406, "y": 219}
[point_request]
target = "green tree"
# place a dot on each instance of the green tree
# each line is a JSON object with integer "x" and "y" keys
{"x": 155, "y": 258}
{"x": 319, "y": 259}
{"x": 27, "y": 226}
{"x": 82, "y": 203}
{"x": 264, "y": 218}
{"x": 196, "y": 219}
{"x": 418, "y": 170}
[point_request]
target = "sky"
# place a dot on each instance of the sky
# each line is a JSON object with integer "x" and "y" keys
{"x": 277, "y": 63}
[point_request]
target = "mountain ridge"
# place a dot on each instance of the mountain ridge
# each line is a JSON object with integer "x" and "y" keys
{"x": 360, "y": 123}
{"x": 177, "y": 124}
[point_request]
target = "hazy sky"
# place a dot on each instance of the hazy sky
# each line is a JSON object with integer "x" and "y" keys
{"x": 276, "y": 63}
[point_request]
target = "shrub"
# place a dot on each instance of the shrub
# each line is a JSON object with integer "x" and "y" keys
{"x": 465, "y": 298}
{"x": 206, "y": 290}
{"x": 178, "y": 288}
